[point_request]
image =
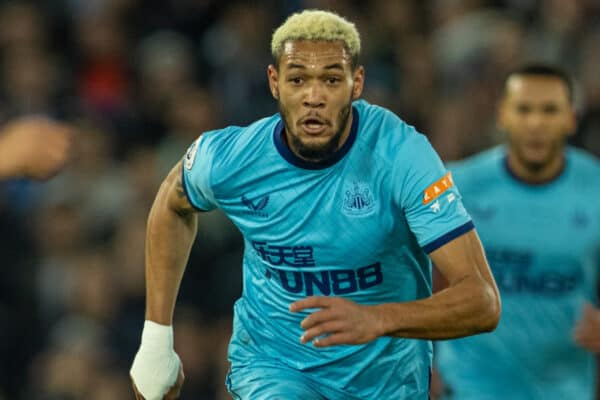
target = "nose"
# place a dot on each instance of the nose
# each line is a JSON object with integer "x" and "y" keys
{"x": 314, "y": 96}
{"x": 535, "y": 120}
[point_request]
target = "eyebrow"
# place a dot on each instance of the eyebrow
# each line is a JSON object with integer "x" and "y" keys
{"x": 335, "y": 66}
{"x": 293, "y": 65}
{"x": 327, "y": 67}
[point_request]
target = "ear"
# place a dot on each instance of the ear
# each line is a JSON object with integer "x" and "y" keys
{"x": 501, "y": 115}
{"x": 273, "y": 77}
{"x": 359, "y": 82}
{"x": 572, "y": 124}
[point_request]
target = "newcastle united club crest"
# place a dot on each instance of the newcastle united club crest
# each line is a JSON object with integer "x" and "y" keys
{"x": 358, "y": 200}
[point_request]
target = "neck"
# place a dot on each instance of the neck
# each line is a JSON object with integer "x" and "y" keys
{"x": 535, "y": 174}
{"x": 346, "y": 131}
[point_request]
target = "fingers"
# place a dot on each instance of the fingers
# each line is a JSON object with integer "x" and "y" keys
{"x": 587, "y": 308}
{"x": 311, "y": 302}
{"x": 320, "y": 322}
{"x": 317, "y": 318}
{"x": 586, "y": 334}
{"x": 138, "y": 396}
{"x": 328, "y": 321}
{"x": 324, "y": 328}
{"x": 586, "y": 331}
{"x": 334, "y": 340}
{"x": 590, "y": 320}
{"x": 174, "y": 392}
{"x": 57, "y": 140}
{"x": 336, "y": 321}
{"x": 46, "y": 146}
{"x": 590, "y": 344}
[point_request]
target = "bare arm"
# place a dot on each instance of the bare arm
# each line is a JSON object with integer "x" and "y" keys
{"x": 470, "y": 305}
{"x": 157, "y": 371}
{"x": 172, "y": 226}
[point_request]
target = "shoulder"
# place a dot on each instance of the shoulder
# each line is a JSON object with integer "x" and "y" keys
{"x": 379, "y": 121}
{"x": 481, "y": 164}
{"x": 584, "y": 172}
{"x": 584, "y": 163}
{"x": 225, "y": 155}
{"x": 372, "y": 113}
{"x": 479, "y": 172}
{"x": 235, "y": 138}
{"x": 387, "y": 134}
{"x": 229, "y": 147}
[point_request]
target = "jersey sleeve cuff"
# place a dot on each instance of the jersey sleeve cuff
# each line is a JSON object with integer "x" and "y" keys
{"x": 187, "y": 193}
{"x": 448, "y": 237}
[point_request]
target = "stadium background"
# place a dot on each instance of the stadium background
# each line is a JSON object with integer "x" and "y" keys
{"x": 141, "y": 79}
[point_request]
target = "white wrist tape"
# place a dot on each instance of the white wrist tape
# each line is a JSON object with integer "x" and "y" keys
{"x": 156, "y": 365}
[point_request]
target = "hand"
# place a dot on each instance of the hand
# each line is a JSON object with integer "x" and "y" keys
{"x": 156, "y": 371}
{"x": 172, "y": 394}
{"x": 342, "y": 320}
{"x": 34, "y": 147}
{"x": 437, "y": 387}
{"x": 587, "y": 330}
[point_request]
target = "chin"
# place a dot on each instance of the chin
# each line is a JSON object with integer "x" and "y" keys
{"x": 537, "y": 163}
{"x": 316, "y": 142}
{"x": 537, "y": 156}
{"x": 534, "y": 165}
{"x": 317, "y": 150}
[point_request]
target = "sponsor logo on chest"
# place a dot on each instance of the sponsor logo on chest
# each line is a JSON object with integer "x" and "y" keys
{"x": 255, "y": 207}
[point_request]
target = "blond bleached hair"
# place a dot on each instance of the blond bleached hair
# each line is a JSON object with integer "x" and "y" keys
{"x": 316, "y": 25}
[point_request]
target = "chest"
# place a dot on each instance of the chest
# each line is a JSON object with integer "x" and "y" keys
{"x": 553, "y": 224}
{"x": 539, "y": 242}
{"x": 315, "y": 216}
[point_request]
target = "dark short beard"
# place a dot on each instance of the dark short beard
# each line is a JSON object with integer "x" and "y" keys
{"x": 535, "y": 168}
{"x": 315, "y": 153}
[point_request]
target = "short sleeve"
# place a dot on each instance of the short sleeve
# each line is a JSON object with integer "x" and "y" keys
{"x": 196, "y": 167}
{"x": 431, "y": 202}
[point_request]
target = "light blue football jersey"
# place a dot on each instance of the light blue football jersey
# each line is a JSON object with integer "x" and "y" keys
{"x": 541, "y": 242}
{"x": 357, "y": 226}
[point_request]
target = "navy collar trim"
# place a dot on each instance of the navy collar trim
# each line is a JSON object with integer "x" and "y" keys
{"x": 293, "y": 159}
{"x": 550, "y": 180}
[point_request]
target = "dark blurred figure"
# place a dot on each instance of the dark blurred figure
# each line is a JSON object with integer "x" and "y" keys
{"x": 33, "y": 148}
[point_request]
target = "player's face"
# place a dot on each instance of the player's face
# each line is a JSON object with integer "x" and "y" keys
{"x": 314, "y": 85}
{"x": 538, "y": 116}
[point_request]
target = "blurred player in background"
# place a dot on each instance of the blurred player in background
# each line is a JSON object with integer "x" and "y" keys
{"x": 341, "y": 204}
{"x": 535, "y": 202}
{"x": 33, "y": 147}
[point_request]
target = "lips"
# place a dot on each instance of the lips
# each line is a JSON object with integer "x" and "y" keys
{"x": 313, "y": 125}
{"x": 535, "y": 144}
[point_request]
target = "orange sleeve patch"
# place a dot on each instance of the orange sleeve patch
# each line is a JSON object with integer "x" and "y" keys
{"x": 437, "y": 188}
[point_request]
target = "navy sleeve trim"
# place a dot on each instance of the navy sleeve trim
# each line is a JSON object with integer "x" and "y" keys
{"x": 187, "y": 194}
{"x": 453, "y": 234}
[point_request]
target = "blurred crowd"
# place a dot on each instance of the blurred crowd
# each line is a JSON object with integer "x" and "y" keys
{"x": 140, "y": 80}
